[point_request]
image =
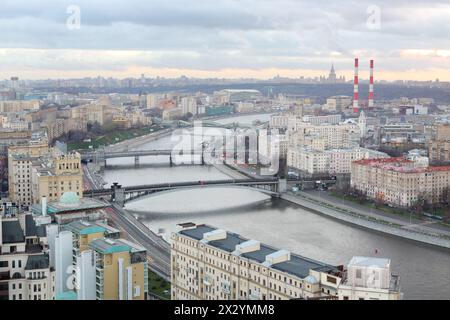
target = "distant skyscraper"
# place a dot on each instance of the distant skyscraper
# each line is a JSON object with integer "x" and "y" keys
{"x": 332, "y": 75}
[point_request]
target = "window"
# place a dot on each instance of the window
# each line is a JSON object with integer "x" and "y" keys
{"x": 358, "y": 274}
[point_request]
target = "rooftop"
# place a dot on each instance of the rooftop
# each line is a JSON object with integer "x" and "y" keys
{"x": 12, "y": 232}
{"x": 369, "y": 262}
{"x": 70, "y": 203}
{"x": 31, "y": 229}
{"x": 83, "y": 227}
{"x": 40, "y": 261}
{"x": 296, "y": 265}
{"x": 399, "y": 164}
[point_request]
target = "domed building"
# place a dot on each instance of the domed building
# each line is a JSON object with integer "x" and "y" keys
{"x": 71, "y": 207}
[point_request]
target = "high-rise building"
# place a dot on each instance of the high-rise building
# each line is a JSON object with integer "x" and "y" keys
{"x": 121, "y": 270}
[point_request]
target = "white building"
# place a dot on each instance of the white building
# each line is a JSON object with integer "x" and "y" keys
{"x": 25, "y": 273}
{"x": 279, "y": 121}
{"x": 63, "y": 263}
{"x": 189, "y": 104}
{"x": 331, "y": 161}
{"x": 86, "y": 278}
{"x": 370, "y": 279}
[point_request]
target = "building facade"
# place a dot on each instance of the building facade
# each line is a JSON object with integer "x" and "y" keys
{"x": 210, "y": 264}
{"x": 400, "y": 182}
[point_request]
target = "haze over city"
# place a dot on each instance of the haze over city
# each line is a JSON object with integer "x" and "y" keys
{"x": 224, "y": 39}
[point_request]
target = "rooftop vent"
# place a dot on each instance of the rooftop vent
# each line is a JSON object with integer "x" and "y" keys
{"x": 277, "y": 257}
{"x": 248, "y": 246}
{"x": 218, "y": 234}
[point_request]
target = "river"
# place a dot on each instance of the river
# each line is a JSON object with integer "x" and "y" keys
{"x": 424, "y": 270}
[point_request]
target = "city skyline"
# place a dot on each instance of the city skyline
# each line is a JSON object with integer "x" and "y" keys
{"x": 226, "y": 39}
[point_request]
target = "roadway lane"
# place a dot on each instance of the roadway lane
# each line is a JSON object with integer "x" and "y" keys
{"x": 158, "y": 250}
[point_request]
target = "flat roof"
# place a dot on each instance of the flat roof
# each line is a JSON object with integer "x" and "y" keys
{"x": 107, "y": 246}
{"x": 58, "y": 207}
{"x": 369, "y": 262}
{"x": 84, "y": 227}
{"x": 399, "y": 164}
{"x": 297, "y": 265}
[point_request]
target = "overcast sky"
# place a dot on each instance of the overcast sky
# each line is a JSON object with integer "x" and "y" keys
{"x": 224, "y": 38}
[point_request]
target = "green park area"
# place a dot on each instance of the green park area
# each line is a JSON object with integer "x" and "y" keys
{"x": 158, "y": 286}
{"x": 110, "y": 137}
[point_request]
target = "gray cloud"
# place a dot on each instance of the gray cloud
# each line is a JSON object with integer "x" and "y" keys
{"x": 213, "y": 35}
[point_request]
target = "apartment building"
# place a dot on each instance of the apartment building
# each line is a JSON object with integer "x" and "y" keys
{"x": 211, "y": 264}
{"x": 439, "y": 146}
{"x": 99, "y": 111}
{"x": 20, "y": 165}
{"x": 338, "y": 103}
{"x": 121, "y": 270}
{"x": 439, "y": 151}
{"x": 189, "y": 105}
{"x": 25, "y": 272}
{"x": 332, "y": 161}
{"x": 318, "y": 120}
{"x": 343, "y": 135}
{"x": 400, "y": 182}
{"x": 62, "y": 173}
{"x": 279, "y": 121}
{"x": 19, "y": 105}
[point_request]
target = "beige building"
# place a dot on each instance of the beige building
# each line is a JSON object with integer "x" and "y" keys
{"x": 19, "y": 105}
{"x": 439, "y": 151}
{"x": 62, "y": 174}
{"x": 34, "y": 171}
{"x": 100, "y": 111}
{"x": 344, "y": 135}
{"x": 121, "y": 270}
{"x": 171, "y": 114}
{"x": 20, "y": 169}
{"x": 400, "y": 182}
{"x": 212, "y": 264}
{"x": 439, "y": 146}
{"x": 332, "y": 161}
{"x": 338, "y": 103}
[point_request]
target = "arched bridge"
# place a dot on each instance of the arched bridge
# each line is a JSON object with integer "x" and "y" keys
{"x": 120, "y": 195}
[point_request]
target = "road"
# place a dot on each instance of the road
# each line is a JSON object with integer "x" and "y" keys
{"x": 428, "y": 226}
{"x": 158, "y": 250}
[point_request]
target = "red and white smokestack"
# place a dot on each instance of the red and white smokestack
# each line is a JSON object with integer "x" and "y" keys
{"x": 371, "y": 85}
{"x": 355, "y": 89}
